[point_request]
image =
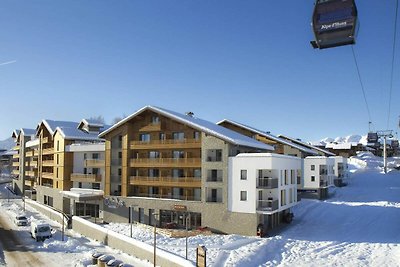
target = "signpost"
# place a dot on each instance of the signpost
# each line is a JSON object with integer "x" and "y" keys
{"x": 201, "y": 256}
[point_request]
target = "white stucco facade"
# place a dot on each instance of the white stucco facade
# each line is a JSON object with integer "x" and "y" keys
{"x": 263, "y": 183}
{"x": 318, "y": 172}
{"x": 340, "y": 167}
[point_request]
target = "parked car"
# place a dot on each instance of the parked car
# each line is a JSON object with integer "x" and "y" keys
{"x": 114, "y": 263}
{"x": 40, "y": 231}
{"x": 21, "y": 220}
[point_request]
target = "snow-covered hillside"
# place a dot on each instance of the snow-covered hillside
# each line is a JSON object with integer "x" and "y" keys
{"x": 7, "y": 144}
{"x": 354, "y": 138}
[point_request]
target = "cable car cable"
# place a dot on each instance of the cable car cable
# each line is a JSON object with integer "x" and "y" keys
{"x": 393, "y": 57}
{"x": 361, "y": 83}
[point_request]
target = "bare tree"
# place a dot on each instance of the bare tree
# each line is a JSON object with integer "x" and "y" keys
{"x": 118, "y": 119}
{"x": 99, "y": 119}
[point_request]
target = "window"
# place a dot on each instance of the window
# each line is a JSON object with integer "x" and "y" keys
{"x": 95, "y": 156}
{"x": 286, "y": 177}
{"x": 84, "y": 156}
{"x": 58, "y": 145}
{"x": 154, "y": 173}
{"x": 119, "y": 172}
{"x": 144, "y": 137}
{"x": 80, "y": 185}
{"x": 196, "y": 135}
{"x": 243, "y": 174}
{"x": 313, "y": 178}
{"x": 96, "y": 186}
{"x": 292, "y": 175}
{"x": 178, "y": 154}
{"x": 243, "y": 195}
{"x": 214, "y": 175}
{"x": 178, "y": 136}
{"x": 84, "y": 170}
{"x": 58, "y": 159}
{"x": 313, "y": 167}
{"x": 120, "y": 155}
{"x": 283, "y": 197}
{"x": 155, "y": 120}
{"x": 95, "y": 171}
{"x": 154, "y": 154}
{"x": 197, "y": 173}
{"x": 176, "y": 173}
{"x": 162, "y": 136}
{"x": 214, "y": 155}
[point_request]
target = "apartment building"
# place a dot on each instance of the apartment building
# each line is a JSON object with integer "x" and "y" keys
{"x": 340, "y": 171}
{"x": 318, "y": 176}
{"x": 21, "y": 162}
{"x": 175, "y": 166}
{"x": 264, "y": 186}
{"x": 320, "y": 151}
{"x": 58, "y": 142}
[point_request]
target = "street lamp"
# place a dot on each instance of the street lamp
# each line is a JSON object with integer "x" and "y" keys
{"x": 155, "y": 229}
{"x": 131, "y": 215}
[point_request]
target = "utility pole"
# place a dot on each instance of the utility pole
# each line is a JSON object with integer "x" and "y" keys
{"x": 385, "y": 134}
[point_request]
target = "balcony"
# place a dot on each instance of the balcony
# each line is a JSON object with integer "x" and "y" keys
{"x": 15, "y": 164}
{"x": 267, "y": 205}
{"x": 323, "y": 183}
{"x": 48, "y": 163}
{"x": 15, "y": 172}
{"x": 47, "y": 175}
{"x": 267, "y": 183}
{"x": 17, "y": 147}
{"x": 152, "y": 127}
{"x": 180, "y": 197}
{"x": 46, "y": 140}
{"x": 95, "y": 163}
{"x": 36, "y": 153}
{"x": 86, "y": 178}
{"x": 29, "y": 154}
{"x": 166, "y": 181}
{"x": 48, "y": 151}
{"x": 166, "y": 144}
{"x": 16, "y": 156}
{"x": 31, "y": 173}
{"x": 166, "y": 162}
{"x": 33, "y": 164}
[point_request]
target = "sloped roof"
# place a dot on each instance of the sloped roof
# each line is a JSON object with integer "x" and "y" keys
{"x": 76, "y": 134}
{"x": 15, "y": 133}
{"x": 26, "y": 131}
{"x": 199, "y": 124}
{"x": 269, "y": 136}
{"x": 307, "y": 145}
{"x": 51, "y": 125}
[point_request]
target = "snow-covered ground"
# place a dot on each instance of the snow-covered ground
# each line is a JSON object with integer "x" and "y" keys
{"x": 357, "y": 226}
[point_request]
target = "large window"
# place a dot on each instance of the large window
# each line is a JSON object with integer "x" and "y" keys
{"x": 214, "y": 155}
{"x": 176, "y": 173}
{"x": 178, "y": 135}
{"x": 178, "y": 154}
{"x": 154, "y": 154}
{"x": 144, "y": 137}
{"x": 154, "y": 173}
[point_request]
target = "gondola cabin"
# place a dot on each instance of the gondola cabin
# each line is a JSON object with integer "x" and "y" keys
{"x": 372, "y": 137}
{"x": 334, "y": 23}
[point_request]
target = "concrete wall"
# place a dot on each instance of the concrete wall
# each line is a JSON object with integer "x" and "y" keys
{"x": 126, "y": 244}
{"x": 50, "y": 213}
{"x": 59, "y": 202}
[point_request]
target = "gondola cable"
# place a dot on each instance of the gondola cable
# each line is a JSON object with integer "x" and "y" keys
{"x": 393, "y": 58}
{"x": 361, "y": 84}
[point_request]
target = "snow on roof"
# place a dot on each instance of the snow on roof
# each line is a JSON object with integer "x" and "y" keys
{"x": 341, "y": 146}
{"x": 269, "y": 136}
{"x": 76, "y": 134}
{"x": 15, "y": 133}
{"x": 51, "y": 125}
{"x": 26, "y": 131}
{"x": 201, "y": 125}
{"x": 83, "y": 193}
{"x": 307, "y": 145}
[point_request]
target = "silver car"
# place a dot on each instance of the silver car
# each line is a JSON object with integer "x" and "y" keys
{"x": 21, "y": 220}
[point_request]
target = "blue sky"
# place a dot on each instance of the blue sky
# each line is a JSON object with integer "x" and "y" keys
{"x": 248, "y": 61}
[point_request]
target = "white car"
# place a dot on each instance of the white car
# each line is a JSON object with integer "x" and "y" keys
{"x": 21, "y": 220}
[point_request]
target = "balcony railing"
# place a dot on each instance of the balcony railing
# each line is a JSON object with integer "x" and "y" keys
{"x": 46, "y": 140}
{"x": 217, "y": 199}
{"x": 48, "y": 163}
{"x": 323, "y": 183}
{"x": 170, "y": 196}
{"x": 29, "y": 154}
{"x": 16, "y": 156}
{"x": 15, "y": 172}
{"x": 267, "y": 182}
{"x": 47, "y": 151}
{"x": 166, "y": 181}
{"x": 151, "y": 127}
{"x": 31, "y": 173}
{"x": 267, "y": 205}
{"x": 214, "y": 179}
{"x": 47, "y": 175}
{"x": 88, "y": 178}
{"x": 97, "y": 163}
{"x": 166, "y": 162}
{"x": 15, "y": 164}
{"x": 169, "y": 143}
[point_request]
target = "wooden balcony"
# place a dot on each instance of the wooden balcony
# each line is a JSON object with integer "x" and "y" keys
{"x": 95, "y": 163}
{"x": 17, "y": 147}
{"x": 170, "y": 196}
{"x": 15, "y": 164}
{"x": 166, "y": 162}
{"x": 48, "y": 163}
{"x": 86, "y": 178}
{"x": 36, "y": 153}
{"x": 152, "y": 127}
{"x": 31, "y": 173}
{"x": 166, "y": 144}
{"x": 16, "y": 156}
{"x": 15, "y": 172}
{"x": 46, "y": 140}
{"x": 48, "y": 151}
{"x": 47, "y": 175}
{"x": 33, "y": 163}
{"x": 29, "y": 154}
{"x": 166, "y": 181}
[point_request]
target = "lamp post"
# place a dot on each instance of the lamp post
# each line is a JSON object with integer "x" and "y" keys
{"x": 187, "y": 229}
{"x": 131, "y": 216}
{"x": 155, "y": 239}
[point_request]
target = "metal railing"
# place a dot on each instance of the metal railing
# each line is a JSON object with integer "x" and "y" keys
{"x": 81, "y": 177}
{"x": 267, "y": 182}
{"x": 267, "y": 205}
